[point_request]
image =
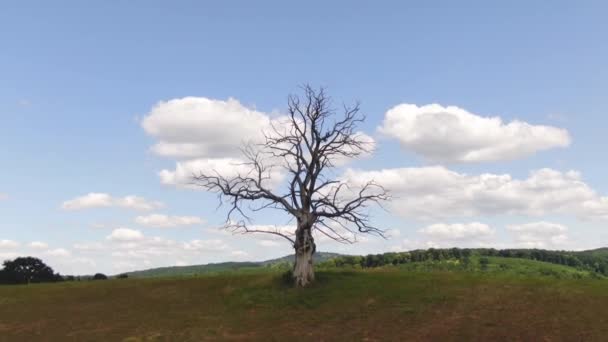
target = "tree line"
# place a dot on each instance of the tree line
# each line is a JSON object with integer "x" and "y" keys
{"x": 586, "y": 261}
{"x": 28, "y": 270}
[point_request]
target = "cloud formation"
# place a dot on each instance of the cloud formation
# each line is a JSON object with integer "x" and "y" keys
{"x": 227, "y": 167}
{"x": 436, "y": 193}
{"x": 38, "y": 245}
{"x": 103, "y": 200}
{"x": 199, "y": 127}
{"x": 206, "y": 135}
{"x": 125, "y": 234}
{"x": 165, "y": 221}
{"x": 451, "y": 134}
{"x": 539, "y": 234}
{"x": 8, "y": 244}
{"x": 458, "y": 231}
{"x": 59, "y": 252}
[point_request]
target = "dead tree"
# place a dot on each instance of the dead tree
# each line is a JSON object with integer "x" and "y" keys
{"x": 310, "y": 141}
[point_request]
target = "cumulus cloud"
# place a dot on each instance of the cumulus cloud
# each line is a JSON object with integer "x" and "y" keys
{"x": 59, "y": 252}
{"x": 125, "y": 235}
{"x": 38, "y": 245}
{"x": 127, "y": 249}
{"x": 8, "y": 244}
{"x": 165, "y": 221}
{"x": 458, "y": 231}
{"x": 451, "y": 134}
{"x": 199, "y": 127}
{"x": 227, "y": 167}
{"x": 100, "y": 200}
{"x": 137, "y": 203}
{"x": 409, "y": 245}
{"x": 288, "y": 230}
{"x": 268, "y": 243}
{"x": 206, "y": 135}
{"x": 91, "y": 200}
{"x": 539, "y": 234}
{"x": 436, "y": 192}
{"x": 239, "y": 254}
{"x": 90, "y": 246}
{"x": 392, "y": 233}
{"x": 447, "y": 235}
{"x": 206, "y": 245}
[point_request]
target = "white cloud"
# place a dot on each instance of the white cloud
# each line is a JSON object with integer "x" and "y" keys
{"x": 288, "y": 230}
{"x": 268, "y": 243}
{"x": 227, "y": 167}
{"x": 91, "y": 200}
{"x": 165, "y": 221}
{"x": 239, "y": 254}
{"x": 125, "y": 235}
{"x": 91, "y": 246}
{"x": 205, "y": 245}
{"x": 38, "y": 245}
{"x": 198, "y": 127}
{"x": 451, "y": 134}
{"x": 436, "y": 192}
{"x": 392, "y": 233}
{"x": 444, "y": 235}
{"x": 206, "y": 135}
{"x": 59, "y": 252}
{"x": 100, "y": 200}
{"x": 539, "y": 234}
{"x": 8, "y": 244}
{"x": 137, "y": 203}
{"x": 409, "y": 245}
{"x": 458, "y": 231}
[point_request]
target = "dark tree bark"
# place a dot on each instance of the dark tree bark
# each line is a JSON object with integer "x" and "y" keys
{"x": 306, "y": 144}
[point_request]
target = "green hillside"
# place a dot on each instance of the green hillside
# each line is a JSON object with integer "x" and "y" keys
{"x": 500, "y": 266}
{"x": 578, "y": 264}
{"x": 375, "y": 304}
{"x": 175, "y": 271}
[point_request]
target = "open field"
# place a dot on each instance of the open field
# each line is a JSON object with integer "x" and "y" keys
{"x": 379, "y": 304}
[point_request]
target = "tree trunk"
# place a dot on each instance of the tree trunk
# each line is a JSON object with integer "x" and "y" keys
{"x": 303, "y": 273}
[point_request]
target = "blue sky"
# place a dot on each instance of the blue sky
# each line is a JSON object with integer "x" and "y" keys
{"x": 77, "y": 81}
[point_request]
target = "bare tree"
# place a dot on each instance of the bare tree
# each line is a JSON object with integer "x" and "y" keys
{"x": 307, "y": 144}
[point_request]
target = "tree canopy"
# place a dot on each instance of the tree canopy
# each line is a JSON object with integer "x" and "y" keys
{"x": 25, "y": 270}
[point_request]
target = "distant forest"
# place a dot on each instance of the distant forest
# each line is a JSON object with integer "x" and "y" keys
{"x": 595, "y": 261}
{"x": 32, "y": 270}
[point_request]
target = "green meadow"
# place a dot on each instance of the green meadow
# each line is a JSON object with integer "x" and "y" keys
{"x": 499, "y": 299}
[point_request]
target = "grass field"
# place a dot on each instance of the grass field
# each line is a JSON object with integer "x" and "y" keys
{"x": 393, "y": 304}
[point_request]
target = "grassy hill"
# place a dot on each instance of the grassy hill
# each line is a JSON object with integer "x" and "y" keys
{"x": 175, "y": 271}
{"x": 504, "y": 267}
{"x": 587, "y": 263}
{"x": 490, "y": 300}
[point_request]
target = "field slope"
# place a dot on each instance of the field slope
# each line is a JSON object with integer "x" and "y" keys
{"x": 377, "y": 304}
